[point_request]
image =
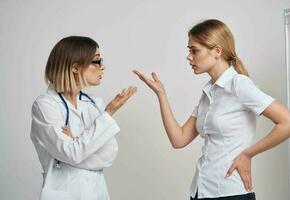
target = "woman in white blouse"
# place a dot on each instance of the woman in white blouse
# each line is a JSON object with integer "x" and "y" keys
{"x": 73, "y": 133}
{"x": 225, "y": 116}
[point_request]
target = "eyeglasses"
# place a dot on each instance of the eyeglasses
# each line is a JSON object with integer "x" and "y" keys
{"x": 98, "y": 62}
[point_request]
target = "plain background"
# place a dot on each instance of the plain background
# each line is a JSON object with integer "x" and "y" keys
{"x": 150, "y": 35}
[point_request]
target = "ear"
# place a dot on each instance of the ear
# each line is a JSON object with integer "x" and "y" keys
{"x": 218, "y": 51}
{"x": 75, "y": 69}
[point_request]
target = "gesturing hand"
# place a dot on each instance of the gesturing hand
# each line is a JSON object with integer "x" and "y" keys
{"x": 119, "y": 100}
{"x": 154, "y": 84}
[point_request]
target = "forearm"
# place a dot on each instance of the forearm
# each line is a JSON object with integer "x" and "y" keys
{"x": 172, "y": 128}
{"x": 102, "y": 158}
{"x": 97, "y": 161}
{"x": 73, "y": 151}
{"x": 278, "y": 134}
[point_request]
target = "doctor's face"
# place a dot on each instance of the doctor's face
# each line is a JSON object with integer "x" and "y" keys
{"x": 93, "y": 74}
{"x": 200, "y": 57}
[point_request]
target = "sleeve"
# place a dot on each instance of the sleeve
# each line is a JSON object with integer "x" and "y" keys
{"x": 46, "y": 129}
{"x": 102, "y": 158}
{"x": 194, "y": 112}
{"x": 195, "y": 109}
{"x": 106, "y": 155}
{"x": 100, "y": 103}
{"x": 250, "y": 96}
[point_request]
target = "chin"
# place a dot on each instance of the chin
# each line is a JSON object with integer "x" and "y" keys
{"x": 96, "y": 84}
{"x": 195, "y": 71}
{"x": 198, "y": 71}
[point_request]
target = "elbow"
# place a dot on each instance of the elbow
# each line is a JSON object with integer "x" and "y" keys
{"x": 74, "y": 159}
{"x": 177, "y": 145}
{"x": 288, "y": 128}
{"x": 71, "y": 160}
{"x": 287, "y": 123}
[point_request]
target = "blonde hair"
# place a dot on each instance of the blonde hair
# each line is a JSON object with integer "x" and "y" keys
{"x": 212, "y": 32}
{"x": 69, "y": 51}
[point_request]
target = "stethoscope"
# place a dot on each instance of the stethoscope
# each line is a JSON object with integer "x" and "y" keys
{"x": 58, "y": 163}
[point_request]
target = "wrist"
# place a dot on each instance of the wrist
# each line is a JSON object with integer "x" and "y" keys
{"x": 109, "y": 112}
{"x": 248, "y": 153}
{"x": 161, "y": 95}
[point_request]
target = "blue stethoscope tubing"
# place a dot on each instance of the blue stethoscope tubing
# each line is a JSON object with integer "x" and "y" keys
{"x": 80, "y": 98}
{"x": 58, "y": 163}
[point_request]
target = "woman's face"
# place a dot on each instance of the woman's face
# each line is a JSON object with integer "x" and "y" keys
{"x": 200, "y": 57}
{"x": 93, "y": 74}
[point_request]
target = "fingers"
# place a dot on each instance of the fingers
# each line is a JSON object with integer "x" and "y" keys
{"x": 154, "y": 76}
{"x": 66, "y": 131}
{"x": 141, "y": 76}
{"x": 129, "y": 92}
{"x": 231, "y": 169}
{"x": 134, "y": 90}
{"x": 247, "y": 180}
{"x": 122, "y": 97}
{"x": 123, "y": 91}
{"x": 245, "y": 175}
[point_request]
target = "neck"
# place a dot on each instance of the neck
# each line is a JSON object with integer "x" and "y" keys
{"x": 72, "y": 97}
{"x": 218, "y": 70}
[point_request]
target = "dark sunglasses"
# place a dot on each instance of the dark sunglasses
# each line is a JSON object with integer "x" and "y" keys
{"x": 99, "y": 62}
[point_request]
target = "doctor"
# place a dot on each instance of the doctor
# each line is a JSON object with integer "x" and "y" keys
{"x": 74, "y": 134}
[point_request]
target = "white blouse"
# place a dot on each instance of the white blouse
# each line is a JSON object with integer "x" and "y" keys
{"x": 226, "y": 120}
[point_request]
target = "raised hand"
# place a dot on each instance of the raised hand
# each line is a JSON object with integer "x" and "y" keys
{"x": 154, "y": 84}
{"x": 120, "y": 99}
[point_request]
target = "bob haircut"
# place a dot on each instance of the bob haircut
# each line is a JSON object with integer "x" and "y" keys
{"x": 68, "y": 52}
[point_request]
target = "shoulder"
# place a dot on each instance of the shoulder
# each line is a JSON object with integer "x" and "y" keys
{"x": 242, "y": 83}
{"x": 45, "y": 102}
{"x": 45, "y": 99}
{"x": 240, "y": 79}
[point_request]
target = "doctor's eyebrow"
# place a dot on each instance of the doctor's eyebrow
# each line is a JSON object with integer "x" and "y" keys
{"x": 191, "y": 47}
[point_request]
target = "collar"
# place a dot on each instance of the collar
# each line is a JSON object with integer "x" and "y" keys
{"x": 222, "y": 80}
{"x": 52, "y": 92}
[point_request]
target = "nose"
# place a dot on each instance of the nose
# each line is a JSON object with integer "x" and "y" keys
{"x": 189, "y": 57}
{"x": 102, "y": 67}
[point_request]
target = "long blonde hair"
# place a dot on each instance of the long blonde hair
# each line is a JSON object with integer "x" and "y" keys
{"x": 212, "y": 32}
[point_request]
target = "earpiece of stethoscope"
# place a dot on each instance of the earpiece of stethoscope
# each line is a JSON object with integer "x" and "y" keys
{"x": 58, "y": 163}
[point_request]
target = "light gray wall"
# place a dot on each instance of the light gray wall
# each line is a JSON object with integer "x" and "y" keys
{"x": 287, "y": 46}
{"x": 151, "y": 36}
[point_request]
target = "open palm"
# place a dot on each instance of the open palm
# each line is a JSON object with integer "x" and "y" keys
{"x": 154, "y": 84}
